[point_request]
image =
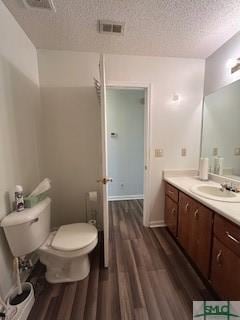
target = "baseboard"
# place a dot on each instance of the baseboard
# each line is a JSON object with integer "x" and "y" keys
{"x": 126, "y": 197}
{"x": 157, "y": 223}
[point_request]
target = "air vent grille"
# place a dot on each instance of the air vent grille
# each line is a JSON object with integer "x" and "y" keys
{"x": 39, "y": 4}
{"x": 111, "y": 27}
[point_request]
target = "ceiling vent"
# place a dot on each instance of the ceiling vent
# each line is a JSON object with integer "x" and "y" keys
{"x": 39, "y": 4}
{"x": 111, "y": 27}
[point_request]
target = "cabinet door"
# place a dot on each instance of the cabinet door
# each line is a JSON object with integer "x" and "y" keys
{"x": 171, "y": 215}
{"x": 200, "y": 235}
{"x": 225, "y": 275}
{"x": 184, "y": 220}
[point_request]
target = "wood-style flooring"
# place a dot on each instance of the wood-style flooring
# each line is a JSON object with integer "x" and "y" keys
{"x": 148, "y": 277}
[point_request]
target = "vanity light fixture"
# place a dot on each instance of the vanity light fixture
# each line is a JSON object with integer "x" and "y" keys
{"x": 234, "y": 65}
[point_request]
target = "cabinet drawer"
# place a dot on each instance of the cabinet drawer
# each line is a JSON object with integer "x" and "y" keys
{"x": 228, "y": 233}
{"x": 225, "y": 276}
{"x": 172, "y": 192}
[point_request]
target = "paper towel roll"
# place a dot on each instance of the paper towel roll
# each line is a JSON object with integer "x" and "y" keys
{"x": 92, "y": 196}
{"x": 203, "y": 169}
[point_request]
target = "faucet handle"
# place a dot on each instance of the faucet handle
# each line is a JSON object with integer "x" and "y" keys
{"x": 224, "y": 184}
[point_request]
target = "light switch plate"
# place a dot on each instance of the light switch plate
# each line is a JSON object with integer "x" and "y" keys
{"x": 184, "y": 152}
{"x": 159, "y": 153}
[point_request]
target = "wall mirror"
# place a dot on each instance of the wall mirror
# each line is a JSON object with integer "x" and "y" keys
{"x": 221, "y": 131}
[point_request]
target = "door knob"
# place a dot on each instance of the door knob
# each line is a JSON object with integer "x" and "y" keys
{"x": 105, "y": 180}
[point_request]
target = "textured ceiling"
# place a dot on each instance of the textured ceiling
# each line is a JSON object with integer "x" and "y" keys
{"x": 183, "y": 28}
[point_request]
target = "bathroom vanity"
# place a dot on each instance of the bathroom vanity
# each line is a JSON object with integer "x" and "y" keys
{"x": 208, "y": 231}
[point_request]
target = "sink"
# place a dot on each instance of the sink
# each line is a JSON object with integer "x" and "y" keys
{"x": 215, "y": 193}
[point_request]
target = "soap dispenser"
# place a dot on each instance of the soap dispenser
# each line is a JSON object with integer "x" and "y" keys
{"x": 19, "y": 202}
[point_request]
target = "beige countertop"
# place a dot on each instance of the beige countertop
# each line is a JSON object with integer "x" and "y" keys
{"x": 229, "y": 210}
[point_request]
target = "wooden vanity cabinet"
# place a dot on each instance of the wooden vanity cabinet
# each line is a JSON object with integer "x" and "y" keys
{"x": 225, "y": 267}
{"x": 210, "y": 240}
{"x": 195, "y": 231}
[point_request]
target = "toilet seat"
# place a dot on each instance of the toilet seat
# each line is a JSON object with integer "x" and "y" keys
{"x": 74, "y": 236}
{"x": 47, "y": 246}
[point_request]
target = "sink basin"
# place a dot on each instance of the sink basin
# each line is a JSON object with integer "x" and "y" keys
{"x": 215, "y": 193}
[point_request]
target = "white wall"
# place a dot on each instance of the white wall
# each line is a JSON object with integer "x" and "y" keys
{"x": 71, "y": 130}
{"x": 173, "y": 125}
{"x": 217, "y": 73}
{"x": 72, "y": 121}
{"x": 19, "y": 124}
{"x": 125, "y": 117}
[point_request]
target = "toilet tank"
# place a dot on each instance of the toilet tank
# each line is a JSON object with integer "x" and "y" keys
{"x": 26, "y": 231}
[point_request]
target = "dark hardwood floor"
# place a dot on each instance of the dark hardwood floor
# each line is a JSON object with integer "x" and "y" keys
{"x": 148, "y": 277}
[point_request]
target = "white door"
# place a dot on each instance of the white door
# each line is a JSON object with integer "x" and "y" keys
{"x": 105, "y": 179}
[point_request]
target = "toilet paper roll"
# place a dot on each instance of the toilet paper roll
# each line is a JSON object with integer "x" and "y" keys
{"x": 203, "y": 169}
{"x": 92, "y": 196}
{"x": 93, "y": 222}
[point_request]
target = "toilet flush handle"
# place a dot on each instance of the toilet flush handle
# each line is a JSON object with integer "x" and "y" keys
{"x": 34, "y": 221}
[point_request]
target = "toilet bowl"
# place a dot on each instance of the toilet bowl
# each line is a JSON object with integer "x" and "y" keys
{"x": 65, "y": 252}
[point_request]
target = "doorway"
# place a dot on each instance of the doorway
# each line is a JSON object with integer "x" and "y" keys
{"x": 127, "y": 113}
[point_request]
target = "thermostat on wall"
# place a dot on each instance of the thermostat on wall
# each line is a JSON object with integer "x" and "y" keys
{"x": 114, "y": 134}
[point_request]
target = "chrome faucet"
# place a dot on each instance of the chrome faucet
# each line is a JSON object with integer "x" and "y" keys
{"x": 229, "y": 187}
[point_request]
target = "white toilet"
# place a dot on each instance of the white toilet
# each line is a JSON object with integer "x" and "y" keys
{"x": 64, "y": 252}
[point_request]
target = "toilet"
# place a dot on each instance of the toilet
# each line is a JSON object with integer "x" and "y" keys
{"x": 65, "y": 252}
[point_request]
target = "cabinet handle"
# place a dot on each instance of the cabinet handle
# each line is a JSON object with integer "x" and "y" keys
{"x": 186, "y": 207}
{"x": 173, "y": 211}
{"x": 171, "y": 192}
{"x": 219, "y": 257}
{"x": 232, "y": 238}
{"x": 196, "y": 214}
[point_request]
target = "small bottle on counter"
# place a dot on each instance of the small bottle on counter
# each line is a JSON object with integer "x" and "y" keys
{"x": 19, "y": 202}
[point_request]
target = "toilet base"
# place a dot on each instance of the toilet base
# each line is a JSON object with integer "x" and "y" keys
{"x": 64, "y": 270}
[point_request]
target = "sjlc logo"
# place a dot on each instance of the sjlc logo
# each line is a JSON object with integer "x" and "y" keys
{"x": 216, "y": 310}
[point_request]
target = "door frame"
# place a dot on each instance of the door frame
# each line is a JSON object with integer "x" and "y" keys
{"x": 147, "y": 139}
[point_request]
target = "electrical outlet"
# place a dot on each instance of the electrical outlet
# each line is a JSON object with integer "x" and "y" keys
{"x": 215, "y": 151}
{"x": 237, "y": 151}
{"x": 159, "y": 153}
{"x": 184, "y": 152}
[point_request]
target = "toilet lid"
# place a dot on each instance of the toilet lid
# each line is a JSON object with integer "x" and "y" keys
{"x": 74, "y": 236}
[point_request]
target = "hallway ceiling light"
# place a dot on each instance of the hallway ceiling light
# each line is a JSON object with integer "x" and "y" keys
{"x": 175, "y": 97}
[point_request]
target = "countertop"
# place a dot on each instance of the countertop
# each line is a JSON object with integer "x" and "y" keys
{"x": 229, "y": 210}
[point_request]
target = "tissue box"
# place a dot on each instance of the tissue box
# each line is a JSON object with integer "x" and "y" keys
{"x": 31, "y": 201}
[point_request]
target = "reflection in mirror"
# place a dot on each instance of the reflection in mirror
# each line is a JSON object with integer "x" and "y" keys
{"x": 221, "y": 131}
